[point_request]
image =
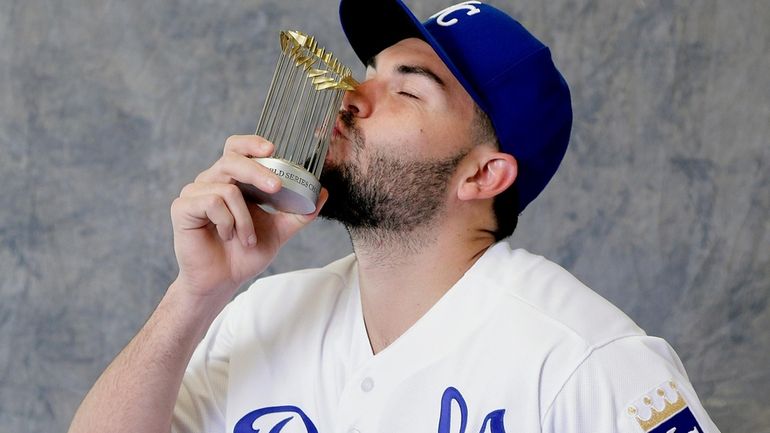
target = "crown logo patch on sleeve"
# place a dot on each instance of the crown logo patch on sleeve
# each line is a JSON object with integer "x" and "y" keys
{"x": 663, "y": 410}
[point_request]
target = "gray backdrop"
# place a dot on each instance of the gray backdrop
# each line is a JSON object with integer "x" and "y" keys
{"x": 107, "y": 108}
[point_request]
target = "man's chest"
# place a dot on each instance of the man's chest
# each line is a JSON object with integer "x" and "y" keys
{"x": 468, "y": 393}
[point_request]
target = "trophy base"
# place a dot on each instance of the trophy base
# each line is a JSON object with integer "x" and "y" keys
{"x": 299, "y": 189}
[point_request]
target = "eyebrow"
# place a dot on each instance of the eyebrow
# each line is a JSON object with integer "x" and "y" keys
{"x": 419, "y": 70}
{"x": 412, "y": 69}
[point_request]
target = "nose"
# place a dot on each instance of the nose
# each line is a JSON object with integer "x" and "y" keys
{"x": 358, "y": 101}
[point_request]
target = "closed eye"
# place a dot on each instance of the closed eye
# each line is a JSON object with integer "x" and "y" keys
{"x": 407, "y": 94}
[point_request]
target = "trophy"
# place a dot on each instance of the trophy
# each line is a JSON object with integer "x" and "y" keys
{"x": 298, "y": 116}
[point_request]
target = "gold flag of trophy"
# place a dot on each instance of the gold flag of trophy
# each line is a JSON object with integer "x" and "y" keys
{"x": 299, "y": 114}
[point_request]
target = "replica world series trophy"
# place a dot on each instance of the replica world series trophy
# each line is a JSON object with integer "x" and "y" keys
{"x": 298, "y": 116}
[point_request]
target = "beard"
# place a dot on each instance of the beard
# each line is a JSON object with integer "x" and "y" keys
{"x": 392, "y": 196}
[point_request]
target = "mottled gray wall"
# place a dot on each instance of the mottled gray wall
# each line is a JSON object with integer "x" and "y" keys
{"x": 107, "y": 108}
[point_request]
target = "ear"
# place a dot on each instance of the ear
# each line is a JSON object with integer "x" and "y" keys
{"x": 492, "y": 174}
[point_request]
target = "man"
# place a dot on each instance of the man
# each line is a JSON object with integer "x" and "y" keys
{"x": 432, "y": 325}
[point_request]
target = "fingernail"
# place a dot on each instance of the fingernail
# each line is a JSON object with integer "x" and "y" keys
{"x": 252, "y": 240}
{"x": 272, "y": 183}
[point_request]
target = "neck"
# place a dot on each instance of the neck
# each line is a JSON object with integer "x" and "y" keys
{"x": 402, "y": 275}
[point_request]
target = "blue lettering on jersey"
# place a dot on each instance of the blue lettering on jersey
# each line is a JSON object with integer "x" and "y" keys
{"x": 494, "y": 419}
{"x": 682, "y": 422}
{"x": 246, "y": 424}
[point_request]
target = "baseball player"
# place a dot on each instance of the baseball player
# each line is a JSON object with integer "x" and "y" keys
{"x": 433, "y": 324}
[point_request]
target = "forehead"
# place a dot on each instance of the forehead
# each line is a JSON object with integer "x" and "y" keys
{"x": 416, "y": 52}
{"x": 413, "y": 46}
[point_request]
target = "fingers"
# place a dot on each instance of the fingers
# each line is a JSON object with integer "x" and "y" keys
{"x": 248, "y": 145}
{"x": 237, "y": 165}
{"x": 221, "y": 204}
{"x": 233, "y": 167}
{"x": 215, "y": 209}
{"x": 215, "y": 199}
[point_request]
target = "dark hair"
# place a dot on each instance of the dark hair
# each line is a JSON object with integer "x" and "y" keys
{"x": 505, "y": 204}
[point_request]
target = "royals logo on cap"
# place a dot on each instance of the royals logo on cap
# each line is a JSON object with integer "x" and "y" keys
{"x": 441, "y": 16}
{"x": 663, "y": 410}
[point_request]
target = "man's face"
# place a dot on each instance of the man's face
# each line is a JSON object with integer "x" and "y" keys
{"x": 397, "y": 141}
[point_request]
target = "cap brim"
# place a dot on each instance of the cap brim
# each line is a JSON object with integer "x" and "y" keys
{"x": 372, "y": 26}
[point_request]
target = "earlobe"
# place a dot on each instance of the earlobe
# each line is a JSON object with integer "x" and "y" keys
{"x": 493, "y": 175}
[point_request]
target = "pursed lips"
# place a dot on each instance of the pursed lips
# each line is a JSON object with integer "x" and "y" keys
{"x": 339, "y": 129}
{"x": 338, "y": 134}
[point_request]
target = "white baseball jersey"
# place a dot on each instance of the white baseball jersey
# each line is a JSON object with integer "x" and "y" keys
{"x": 517, "y": 345}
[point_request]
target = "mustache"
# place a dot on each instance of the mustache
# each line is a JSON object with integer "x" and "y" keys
{"x": 347, "y": 119}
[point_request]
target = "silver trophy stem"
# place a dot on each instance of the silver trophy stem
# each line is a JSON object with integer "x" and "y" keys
{"x": 300, "y": 108}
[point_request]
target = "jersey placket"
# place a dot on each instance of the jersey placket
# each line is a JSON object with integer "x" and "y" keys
{"x": 365, "y": 387}
{"x": 371, "y": 387}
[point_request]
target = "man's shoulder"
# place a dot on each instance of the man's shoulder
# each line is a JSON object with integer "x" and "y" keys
{"x": 307, "y": 297}
{"x": 556, "y": 298}
{"x": 288, "y": 288}
{"x": 339, "y": 271}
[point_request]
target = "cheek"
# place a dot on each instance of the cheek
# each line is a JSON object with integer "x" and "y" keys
{"x": 417, "y": 133}
{"x": 404, "y": 132}
{"x": 453, "y": 133}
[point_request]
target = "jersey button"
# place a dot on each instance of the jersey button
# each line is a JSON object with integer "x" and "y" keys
{"x": 367, "y": 384}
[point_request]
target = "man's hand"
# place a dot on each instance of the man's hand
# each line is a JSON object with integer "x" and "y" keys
{"x": 220, "y": 240}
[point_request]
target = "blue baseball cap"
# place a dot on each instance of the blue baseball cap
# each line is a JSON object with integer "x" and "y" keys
{"x": 505, "y": 69}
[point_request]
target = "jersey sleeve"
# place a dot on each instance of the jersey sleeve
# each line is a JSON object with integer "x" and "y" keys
{"x": 631, "y": 385}
{"x": 200, "y": 405}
